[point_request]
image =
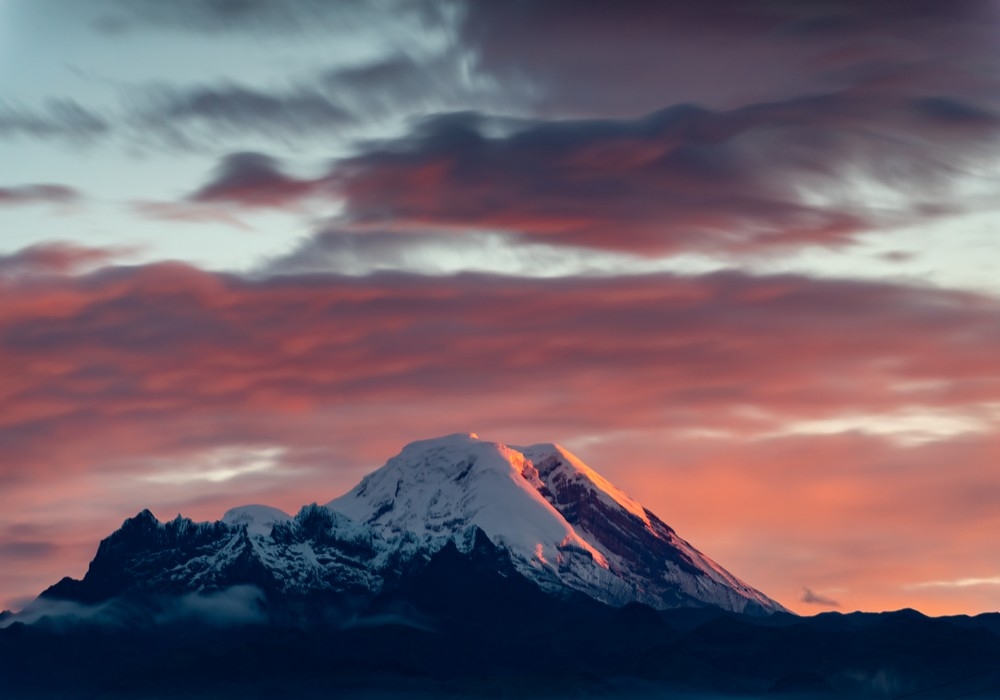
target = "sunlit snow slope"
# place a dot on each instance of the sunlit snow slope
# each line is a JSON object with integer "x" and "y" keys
{"x": 563, "y": 524}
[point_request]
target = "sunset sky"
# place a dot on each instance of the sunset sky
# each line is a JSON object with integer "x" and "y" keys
{"x": 739, "y": 256}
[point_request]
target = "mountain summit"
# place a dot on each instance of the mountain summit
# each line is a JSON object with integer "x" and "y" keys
{"x": 541, "y": 512}
{"x": 563, "y": 525}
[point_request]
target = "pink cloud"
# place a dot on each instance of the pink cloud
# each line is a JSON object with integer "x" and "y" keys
{"x": 254, "y": 180}
{"x": 59, "y": 258}
{"x": 121, "y": 376}
{"x": 33, "y": 194}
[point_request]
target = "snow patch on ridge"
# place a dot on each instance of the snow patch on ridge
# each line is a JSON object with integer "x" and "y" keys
{"x": 258, "y": 519}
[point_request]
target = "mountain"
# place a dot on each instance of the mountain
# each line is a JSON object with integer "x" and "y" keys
{"x": 464, "y": 569}
{"x": 559, "y": 524}
{"x": 564, "y": 526}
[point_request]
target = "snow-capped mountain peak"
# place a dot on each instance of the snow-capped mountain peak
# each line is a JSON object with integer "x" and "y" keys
{"x": 549, "y": 517}
{"x": 436, "y": 488}
{"x": 563, "y": 524}
{"x": 258, "y": 519}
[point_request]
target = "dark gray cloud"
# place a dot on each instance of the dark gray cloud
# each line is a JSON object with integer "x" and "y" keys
{"x": 26, "y": 549}
{"x": 334, "y": 102}
{"x": 812, "y": 598}
{"x": 398, "y": 72}
{"x": 405, "y": 84}
{"x": 219, "y": 16}
{"x": 254, "y": 179}
{"x": 765, "y": 177}
{"x": 187, "y": 116}
{"x": 395, "y": 83}
{"x": 953, "y": 112}
{"x": 599, "y": 58}
{"x": 682, "y": 178}
{"x": 191, "y": 114}
{"x": 349, "y": 252}
{"x": 260, "y": 17}
{"x": 60, "y": 118}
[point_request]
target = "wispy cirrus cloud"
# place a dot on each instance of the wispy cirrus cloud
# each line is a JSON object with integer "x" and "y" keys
{"x": 58, "y": 119}
{"x": 960, "y": 582}
{"x": 254, "y": 17}
{"x": 196, "y": 114}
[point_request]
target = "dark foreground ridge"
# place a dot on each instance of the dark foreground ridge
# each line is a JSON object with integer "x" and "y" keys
{"x": 467, "y": 624}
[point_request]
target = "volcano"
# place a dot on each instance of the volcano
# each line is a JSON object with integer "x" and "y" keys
{"x": 552, "y": 519}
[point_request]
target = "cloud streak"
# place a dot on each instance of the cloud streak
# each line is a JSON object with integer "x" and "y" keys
{"x": 59, "y": 258}
{"x": 35, "y": 194}
{"x": 810, "y": 597}
{"x": 254, "y": 17}
{"x": 960, "y": 583}
{"x": 220, "y": 110}
{"x": 59, "y": 119}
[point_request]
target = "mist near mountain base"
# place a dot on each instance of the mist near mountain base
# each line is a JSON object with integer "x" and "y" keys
{"x": 233, "y": 606}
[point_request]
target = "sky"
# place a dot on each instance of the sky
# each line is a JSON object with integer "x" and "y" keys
{"x": 740, "y": 256}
